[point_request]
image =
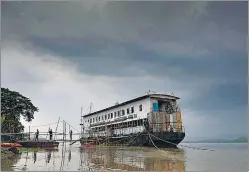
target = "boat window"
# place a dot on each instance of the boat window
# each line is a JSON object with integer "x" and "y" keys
{"x": 102, "y": 118}
{"x": 140, "y": 108}
{"x": 130, "y": 124}
{"x": 132, "y": 109}
{"x": 108, "y": 116}
{"x": 115, "y": 114}
{"x": 135, "y": 115}
{"x": 141, "y": 122}
{"x": 99, "y": 118}
{"x": 170, "y": 107}
{"x": 111, "y": 115}
{"x": 93, "y": 120}
{"x": 135, "y": 123}
{"x": 96, "y": 119}
{"x": 105, "y": 117}
{"x": 90, "y": 120}
{"x": 128, "y": 110}
{"x": 118, "y": 113}
{"x": 123, "y": 112}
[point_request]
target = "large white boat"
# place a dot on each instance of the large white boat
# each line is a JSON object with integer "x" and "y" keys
{"x": 149, "y": 120}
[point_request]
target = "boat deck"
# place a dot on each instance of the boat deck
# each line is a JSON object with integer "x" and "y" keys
{"x": 38, "y": 143}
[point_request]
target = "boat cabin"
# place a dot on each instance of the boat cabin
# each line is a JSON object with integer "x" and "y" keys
{"x": 129, "y": 117}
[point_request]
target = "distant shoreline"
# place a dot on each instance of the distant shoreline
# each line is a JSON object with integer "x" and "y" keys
{"x": 238, "y": 140}
{"x": 215, "y": 142}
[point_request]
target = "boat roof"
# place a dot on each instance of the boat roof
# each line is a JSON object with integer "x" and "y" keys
{"x": 158, "y": 96}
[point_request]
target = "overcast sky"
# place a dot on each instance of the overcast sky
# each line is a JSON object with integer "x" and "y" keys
{"x": 64, "y": 55}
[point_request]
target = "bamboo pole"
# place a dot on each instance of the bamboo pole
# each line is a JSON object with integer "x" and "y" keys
{"x": 47, "y": 133}
{"x": 65, "y": 131}
{"x": 56, "y": 129}
{"x": 81, "y": 121}
{"x": 69, "y": 132}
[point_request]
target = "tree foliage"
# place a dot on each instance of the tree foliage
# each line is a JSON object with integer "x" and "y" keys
{"x": 13, "y": 106}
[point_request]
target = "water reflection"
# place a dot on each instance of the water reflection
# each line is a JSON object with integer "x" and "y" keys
{"x": 8, "y": 164}
{"x": 34, "y": 156}
{"x": 26, "y": 159}
{"x": 49, "y": 156}
{"x": 132, "y": 159}
{"x": 76, "y": 158}
{"x": 87, "y": 159}
{"x": 69, "y": 156}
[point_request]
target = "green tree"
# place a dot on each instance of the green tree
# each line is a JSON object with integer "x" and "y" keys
{"x": 13, "y": 106}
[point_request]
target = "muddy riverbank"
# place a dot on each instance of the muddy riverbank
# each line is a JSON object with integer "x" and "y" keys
{"x": 9, "y": 157}
{"x": 9, "y": 152}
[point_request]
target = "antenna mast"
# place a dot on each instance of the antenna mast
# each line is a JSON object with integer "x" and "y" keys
{"x": 81, "y": 119}
{"x": 150, "y": 91}
{"x": 90, "y": 108}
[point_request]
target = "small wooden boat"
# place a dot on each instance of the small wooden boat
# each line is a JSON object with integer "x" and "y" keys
{"x": 11, "y": 145}
{"x": 41, "y": 144}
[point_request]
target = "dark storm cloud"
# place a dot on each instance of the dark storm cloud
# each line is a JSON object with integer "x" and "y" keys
{"x": 230, "y": 14}
{"x": 225, "y": 96}
{"x": 197, "y": 24}
{"x": 106, "y": 57}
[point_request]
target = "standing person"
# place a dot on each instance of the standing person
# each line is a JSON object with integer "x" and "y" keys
{"x": 36, "y": 134}
{"x": 50, "y": 134}
{"x": 71, "y": 133}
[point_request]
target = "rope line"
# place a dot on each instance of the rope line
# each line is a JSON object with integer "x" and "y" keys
{"x": 130, "y": 143}
{"x": 54, "y": 123}
{"x": 173, "y": 143}
{"x": 44, "y": 125}
{"x": 69, "y": 125}
{"x": 154, "y": 143}
{"x": 181, "y": 145}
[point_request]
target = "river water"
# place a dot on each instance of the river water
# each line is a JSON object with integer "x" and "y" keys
{"x": 226, "y": 157}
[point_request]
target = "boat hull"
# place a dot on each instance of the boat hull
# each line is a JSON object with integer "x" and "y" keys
{"x": 10, "y": 145}
{"x": 158, "y": 139}
{"x": 40, "y": 144}
{"x": 165, "y": 139}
